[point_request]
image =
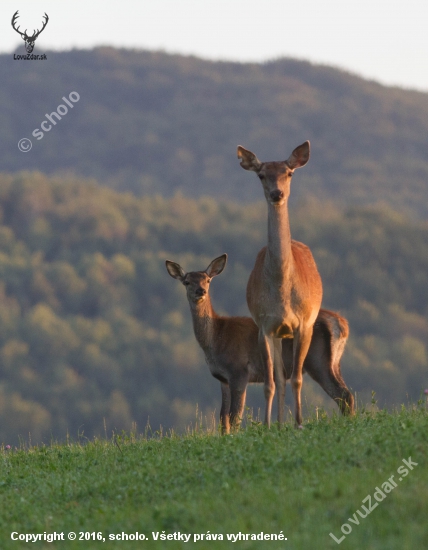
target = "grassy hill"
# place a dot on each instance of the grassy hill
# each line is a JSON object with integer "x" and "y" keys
{"x": 157, "y": 123}
{"x": 302, "y": 485}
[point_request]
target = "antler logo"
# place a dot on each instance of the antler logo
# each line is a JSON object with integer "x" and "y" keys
{"x": 29, "y": 40}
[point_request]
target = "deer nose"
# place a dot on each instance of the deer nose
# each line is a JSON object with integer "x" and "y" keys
{"x": 200, "y": 292}
{"x": 276, "y": 195}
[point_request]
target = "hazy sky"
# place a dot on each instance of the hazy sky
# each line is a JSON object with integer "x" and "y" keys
{"x": 382, "y": 40}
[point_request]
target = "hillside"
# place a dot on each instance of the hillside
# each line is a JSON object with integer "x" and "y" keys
{"x": 365, "y": 477}
{"x": 158, "y": 123}
{"x": 95, "y": 335}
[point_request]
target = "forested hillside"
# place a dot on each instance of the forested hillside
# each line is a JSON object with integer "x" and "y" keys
{"x": 157, "y": 123}
{"x": 95, "y": 335}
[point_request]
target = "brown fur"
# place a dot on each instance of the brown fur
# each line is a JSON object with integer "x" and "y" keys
{"x": 231, "y": 348}
{"x": 322, "y": 362}
{"x": 284, "y": 290}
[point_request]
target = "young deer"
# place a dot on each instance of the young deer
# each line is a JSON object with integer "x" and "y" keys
{"x": 232, "y": 351}
{"x": 284, "y": 290}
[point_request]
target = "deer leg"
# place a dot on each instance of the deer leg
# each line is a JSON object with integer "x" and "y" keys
{"x": 269, "y": 383}
{"x": 345, "y": 401}
{"x": 334, "y": 386}
{"x": 343, "y": 397}
{"x": 225, "y": 409}
{"x": 287, "y": 357}
{"x": 321, "y": 367}
{"x": 238, "y": 392}
{"x": 280, "y": 380}
{"x": 301, "y": 343}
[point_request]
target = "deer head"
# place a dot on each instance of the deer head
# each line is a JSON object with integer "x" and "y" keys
{"x": 197, "y": 283}
{"x": 275, "y": 176}
{"x": 29, "y": 40}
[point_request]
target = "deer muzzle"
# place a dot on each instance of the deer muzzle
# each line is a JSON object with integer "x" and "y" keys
{"x": 276, "y": 195}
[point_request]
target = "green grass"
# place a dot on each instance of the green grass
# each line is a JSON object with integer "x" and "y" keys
{"x": 304, "y": 484}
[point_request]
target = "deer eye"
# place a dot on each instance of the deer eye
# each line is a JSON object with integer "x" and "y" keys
{"x": 209, "y": 280}
{"x": 186, "y": 283}
{"x": 261, "y": 177}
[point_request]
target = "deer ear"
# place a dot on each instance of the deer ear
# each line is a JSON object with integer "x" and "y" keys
{"x": 249, "y": 161}
{"x": 175, "y": 270}
{"x": 300, "y": 156}
{"x": 216, "y": 266}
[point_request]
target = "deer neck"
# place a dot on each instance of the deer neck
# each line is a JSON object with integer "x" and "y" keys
{"x": 279, "y": 257}
{"x": 203, "y": 316}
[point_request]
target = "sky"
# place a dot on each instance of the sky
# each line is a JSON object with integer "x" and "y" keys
{"x": 386, "y": 41}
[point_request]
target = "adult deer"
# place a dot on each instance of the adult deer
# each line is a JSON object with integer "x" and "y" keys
{"x": 231, "y": 348}
{"x": 284, "y": 290}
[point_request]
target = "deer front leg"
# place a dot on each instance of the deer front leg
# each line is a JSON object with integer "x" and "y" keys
{"x": 280, "y": 380}
{"x": 301, "y": 342}
{"x": 225, "y": 409}
{"x": 238, "y": 392}
{"x": 269, "y": 383}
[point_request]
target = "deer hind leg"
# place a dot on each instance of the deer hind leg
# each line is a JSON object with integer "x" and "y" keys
{"x": 225, "y": 409}
{"x": 323, "y": 365}
{"x": 269, "y": 383}
{"x": 301, "y": 343}
{"x": 341, "y": 394}
{"x": 280, "y": 379}
{"x": 238, "y": 392}
{"x": 333, "y": 385}
{"x": 345, "y": 400}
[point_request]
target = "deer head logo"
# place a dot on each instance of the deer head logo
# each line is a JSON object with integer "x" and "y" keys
{"x": 29, "y": 40}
